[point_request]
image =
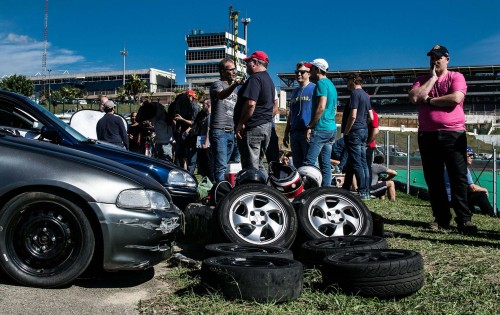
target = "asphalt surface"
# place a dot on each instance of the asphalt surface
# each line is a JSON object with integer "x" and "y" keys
{"x": 108, "y": 293}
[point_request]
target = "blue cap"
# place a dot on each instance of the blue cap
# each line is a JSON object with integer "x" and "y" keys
{"x": 469, "y": 150}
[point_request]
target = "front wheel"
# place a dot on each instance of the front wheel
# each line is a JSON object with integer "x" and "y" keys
{"x": 45, "y": 240}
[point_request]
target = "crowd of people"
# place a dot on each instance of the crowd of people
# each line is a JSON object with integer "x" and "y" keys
{"x": 235, "y": 124}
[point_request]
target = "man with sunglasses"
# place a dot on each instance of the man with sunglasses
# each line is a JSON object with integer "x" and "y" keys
{"x": 299, "y": 115}
{"x": 223, "y": 99}
{"x": 442, "y": 140}
{"x": 322, "y": 128}
{"x": 253, "y": 112}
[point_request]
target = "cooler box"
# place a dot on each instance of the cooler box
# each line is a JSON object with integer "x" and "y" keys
{"x": 231, "y": 171}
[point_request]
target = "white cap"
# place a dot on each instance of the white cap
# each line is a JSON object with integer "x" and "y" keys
{"x": 319, "y": 63}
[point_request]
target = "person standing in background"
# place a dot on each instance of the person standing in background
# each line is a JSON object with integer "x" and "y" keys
{"x": 223, "y": 99}
{"x": 110, "y": 128}
{"x": 442, "y": 140}
{"x": 299, "y": 115}
{"x": 253, "y": 112}
{"x": 322, "y": 128}
{"x": 355, "y": 130}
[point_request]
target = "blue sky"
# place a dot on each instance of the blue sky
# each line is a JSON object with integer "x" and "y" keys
{"x": 357, "y": 35}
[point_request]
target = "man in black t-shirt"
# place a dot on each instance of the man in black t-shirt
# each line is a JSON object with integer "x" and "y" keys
{"x": 253, "y": 112}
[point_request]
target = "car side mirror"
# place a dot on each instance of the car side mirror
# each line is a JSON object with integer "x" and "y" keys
{"x": 37, "y": 125}
{"x": 50, "y": 134}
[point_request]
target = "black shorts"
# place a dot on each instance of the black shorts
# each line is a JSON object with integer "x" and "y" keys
{"x": 379, "y": 189}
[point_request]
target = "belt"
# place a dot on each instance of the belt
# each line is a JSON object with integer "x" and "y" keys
{"x": 225, "y": 129}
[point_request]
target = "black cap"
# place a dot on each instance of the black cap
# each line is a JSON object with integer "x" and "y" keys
{"x": 439, "y": 51}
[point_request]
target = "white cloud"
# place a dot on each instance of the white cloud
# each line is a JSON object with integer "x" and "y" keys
{"x": 20, "y": 54}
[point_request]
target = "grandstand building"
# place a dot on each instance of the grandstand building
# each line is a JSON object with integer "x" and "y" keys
{"x": 205, "y": 51}
{"x": 388, "y": 88}
{"x": 106, "y": 83}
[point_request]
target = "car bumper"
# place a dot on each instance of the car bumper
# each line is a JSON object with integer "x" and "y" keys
{"x": 135, "y": 240}
{"x": 181, "y": 198}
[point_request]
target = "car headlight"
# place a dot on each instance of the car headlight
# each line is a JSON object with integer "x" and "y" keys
{"x": 142, "y": 199}
{"x": 181, "y": 178}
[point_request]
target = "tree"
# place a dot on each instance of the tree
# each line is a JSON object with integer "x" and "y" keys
{"x": 121, "y": 94}
{"x": 135, "y": 86}
{"x": 200, "y": 93}
{"x": 18, "y": 84}
{"x": 71, "y": 93}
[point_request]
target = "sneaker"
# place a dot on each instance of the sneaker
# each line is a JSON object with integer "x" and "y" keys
{"x": 436, "y": 226}
{"x": 365, "y": 197}
{"x": 466, "y": 227}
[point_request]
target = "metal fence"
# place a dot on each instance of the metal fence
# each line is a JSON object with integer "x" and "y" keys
{"x": 400, "y": 151}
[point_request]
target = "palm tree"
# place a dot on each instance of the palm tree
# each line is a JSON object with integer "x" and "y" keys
{"x": 135, "y": 86}
{"x": 71, "y": 93}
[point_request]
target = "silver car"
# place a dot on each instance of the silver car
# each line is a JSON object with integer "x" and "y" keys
{"x": 61, "y": 209}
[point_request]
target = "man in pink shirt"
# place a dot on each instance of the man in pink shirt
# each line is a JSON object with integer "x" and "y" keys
{"x": 442, "y": 139}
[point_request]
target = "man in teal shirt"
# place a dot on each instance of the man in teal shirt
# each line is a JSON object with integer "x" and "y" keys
{"x": 322, "y": 128}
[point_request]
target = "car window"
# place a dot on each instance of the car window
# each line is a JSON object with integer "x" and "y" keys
{"x": 10, "y": 117}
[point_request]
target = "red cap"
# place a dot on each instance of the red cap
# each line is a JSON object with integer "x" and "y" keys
{"x": 259, "y": 55}
{"x": 192, "y": 93}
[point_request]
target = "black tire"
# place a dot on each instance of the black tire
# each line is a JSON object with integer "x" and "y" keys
{"x": 257, "y": 214}
{"x": 330, "y": 211}
{"x": 383, "y": 273}
{"x": 314, "y": 251}
{"x": 45, "y": 241}
{"x": 246, "y": 250}
{"x": 263, "y": 279}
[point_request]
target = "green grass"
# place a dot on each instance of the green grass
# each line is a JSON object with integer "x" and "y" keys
{"x": 462, "y": 275}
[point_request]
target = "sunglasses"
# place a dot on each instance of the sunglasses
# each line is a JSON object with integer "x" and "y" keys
{"x": 470, "y": 155}
{"x": 301, "y": 72}
{"x": 231, "y": 69}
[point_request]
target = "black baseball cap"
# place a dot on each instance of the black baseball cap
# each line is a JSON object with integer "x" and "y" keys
{"x": 439, "y": 51}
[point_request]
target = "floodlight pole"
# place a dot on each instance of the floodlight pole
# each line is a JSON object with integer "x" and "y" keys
{"x": 124, "y": 53}
{"x": 50, "y": 96}
{"x": 172, "y": 70}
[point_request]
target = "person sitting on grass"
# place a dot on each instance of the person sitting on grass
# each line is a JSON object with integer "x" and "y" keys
{"x": 476, "y": 195}
{"x": 382, "y": 179}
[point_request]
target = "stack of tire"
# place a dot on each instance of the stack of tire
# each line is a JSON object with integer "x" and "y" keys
{"x": 364, "y": 265}
{"x": 249, "y": 272}
{"x": 334, "y": 228}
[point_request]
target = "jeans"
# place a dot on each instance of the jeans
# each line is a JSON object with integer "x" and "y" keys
{"x": 164, "y": 151}
{"x": 191, "y": 159}
{"x": 437, "y": 150}
{"x": 320, "y": 145}
{"x": 369, "y": 161}
{"x": 273, "y": 149}
{"x": 235, "y": 156}
{"x": 221, "y": 144}
{"x": 253, "y": 146}
{"x": 298, "y": 145}
{"x": 355, "y": 145}
{"x": 205, "y": 163}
